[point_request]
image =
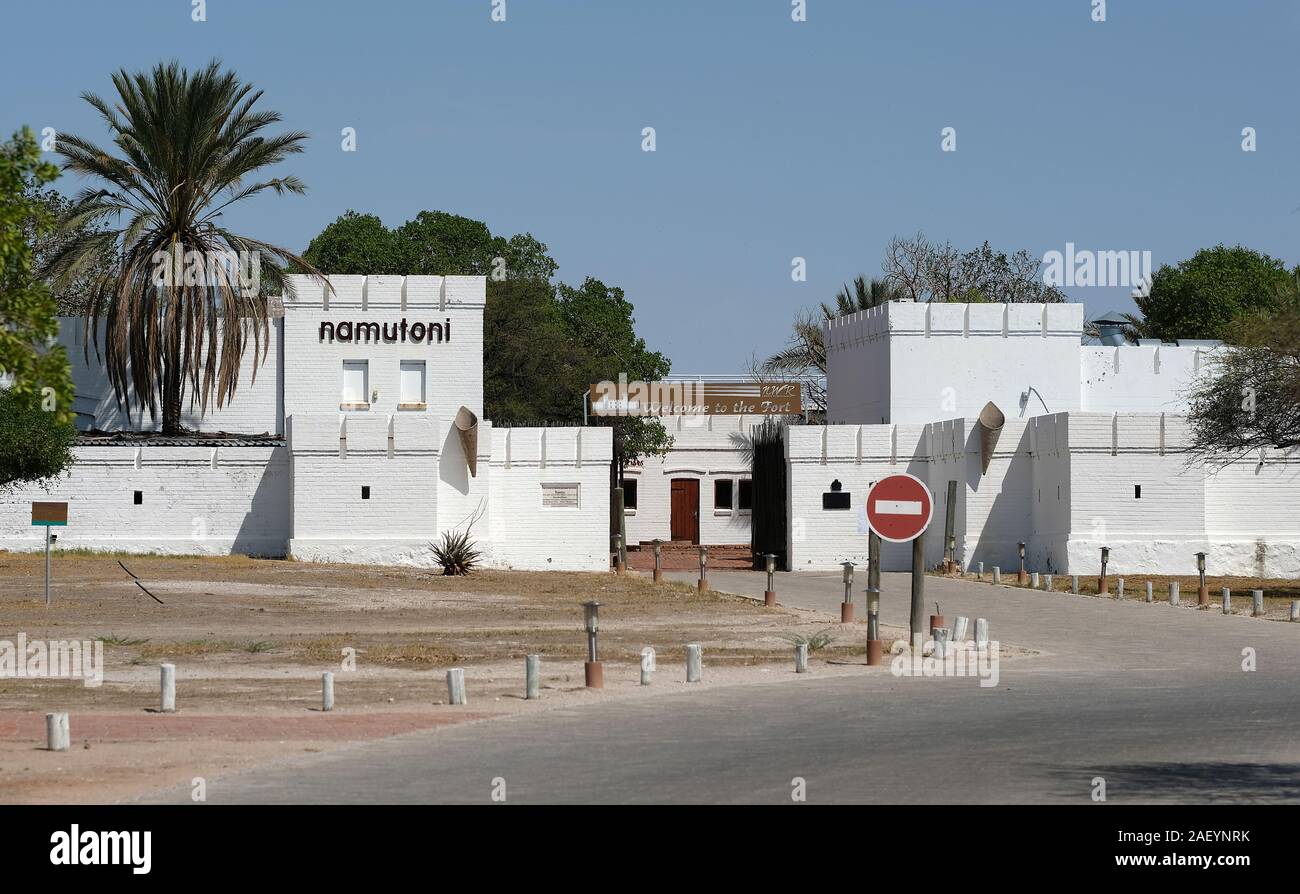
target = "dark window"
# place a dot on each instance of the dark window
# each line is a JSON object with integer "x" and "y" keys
{"x": 745, "y": 497}
{"x": 138, "y": 497}
{"x": 1137, "y": 491}
{"x": 629, "y": 493}
{"x": 365, "y": 491}
{"x": 722, "y": 493}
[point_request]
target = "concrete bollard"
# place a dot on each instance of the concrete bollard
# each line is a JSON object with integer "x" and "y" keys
{"x": 959, "y": 630}
{"x": 997, "y": 575}
{"x": 456, "y": 686}
{"x": 1119, "y": 588}
{"x": 167, "y": 703}
{"x": 1173, "y": 592}
{"x": 1295, "y": 610}
{"x": 647, "y": 665}
{"x": 1047, "y": 582}
{"x": 694, "y": 663}
{"x": 327, "y": 691}
{"x": 981, "y": 633}
{"x": 57, "y": 734}
{"x": 940, "y": 635}
{"x": 1151, "y": 596}
{"x": 1033, "y": 580}
{"x": 1257, "y": 608}
{"x": 979, "y": 571}
{"x": 801, "y": 658}
{"x": 1074, "y": 584}
{"x": 532, "y": 676}
{"x": 1227, "y": 601}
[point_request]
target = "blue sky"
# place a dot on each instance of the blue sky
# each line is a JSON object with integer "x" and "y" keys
{"x": 775, "y": 139}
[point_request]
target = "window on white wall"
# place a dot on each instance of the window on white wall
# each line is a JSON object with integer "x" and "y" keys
{"x": 745, "y": 495}
{"x": 356, "y": 385}
{"x": 411, "y": 390}
{"x": 722, "y": 494}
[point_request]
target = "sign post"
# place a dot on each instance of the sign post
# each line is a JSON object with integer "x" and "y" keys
{"x": 49, "y": 515}
{"x": 899, "y": 509}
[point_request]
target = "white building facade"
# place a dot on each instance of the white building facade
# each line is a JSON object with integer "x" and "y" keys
{"x": 347, "y": 448}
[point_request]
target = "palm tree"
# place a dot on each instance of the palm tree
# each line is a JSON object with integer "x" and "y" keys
{"x": 186, "y": 296}
{"x": 804, "y": 356}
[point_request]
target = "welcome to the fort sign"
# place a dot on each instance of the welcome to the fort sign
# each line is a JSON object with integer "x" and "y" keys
{"x": 687, "y": 398}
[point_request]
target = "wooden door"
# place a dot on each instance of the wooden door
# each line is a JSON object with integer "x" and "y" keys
{"x": 686, "y": 510}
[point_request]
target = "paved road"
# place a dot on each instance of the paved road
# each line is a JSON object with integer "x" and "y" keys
{"x": 1149, "y": 697}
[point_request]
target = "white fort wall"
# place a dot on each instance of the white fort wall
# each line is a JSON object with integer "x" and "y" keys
{"x": 194, "y": 501}
{"x": 540, "y": 498}
{"x": 1065, "y": 484}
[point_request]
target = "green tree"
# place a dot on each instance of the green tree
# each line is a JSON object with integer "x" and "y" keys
{"x": 187, "y": 295}
{"x": 605, "y": 345}
{"x": 1202, "y": 296}
{"x": 35, "y": 444}
{"x": 73, "y": 297}
{"x": 529, "y": 359}
{"x": 36, "y": 393}
{"x": 358, "y": 244}
{"x": 1250, "y": 397}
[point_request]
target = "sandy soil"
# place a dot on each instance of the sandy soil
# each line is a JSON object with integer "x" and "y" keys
{"x": 250, "y": 639}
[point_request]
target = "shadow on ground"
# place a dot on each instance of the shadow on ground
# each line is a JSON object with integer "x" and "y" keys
{"x": 1200, "y": 783}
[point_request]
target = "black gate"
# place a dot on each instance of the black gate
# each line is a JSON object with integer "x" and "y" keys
{"x": 769, "y": 515}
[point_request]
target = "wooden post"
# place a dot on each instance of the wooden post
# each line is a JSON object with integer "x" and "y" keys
{"x": 949, "y": 519}
{"x": 873, "y": 561}
{"x": 694, "y": 663}
{"x": 533, "y": 676}
{"x": 327, "y": 691}
{"x": 167, "y": 703}
{"x": 918, "y": 586}
{"x": 57, "y": 735}
{"x": 959, "y": 629}
{"x": 456, "y": 686}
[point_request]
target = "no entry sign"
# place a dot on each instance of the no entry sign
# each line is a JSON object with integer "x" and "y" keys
{"x": 899, "y": 508}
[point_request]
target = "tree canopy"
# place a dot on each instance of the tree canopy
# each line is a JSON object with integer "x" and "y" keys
{"x": 1203, "y": 296}
{"x": 36, "y": 392}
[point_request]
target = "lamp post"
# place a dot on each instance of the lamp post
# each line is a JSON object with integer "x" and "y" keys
{"x": 846, "y": 607}
{"x": 594, "y": 672}
{"x": 1021, "y": 576}
{"x": 704, "y": 569}
{"x": 875, "y": 649}
{"x": 1102, "y": 587}
{"x": 952, "y": 554}
{"x": 618, "y": 554}
{"x": 659, "y": 556}
{"x": 1203, "y": 592}
{"x": 769, "y": 563}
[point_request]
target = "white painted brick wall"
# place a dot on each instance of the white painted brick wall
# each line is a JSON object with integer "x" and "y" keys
{"x": 188, "y": 506}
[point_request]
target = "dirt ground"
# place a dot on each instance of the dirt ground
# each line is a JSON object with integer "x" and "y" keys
{"x": 250, "y": 639}
{"x": 1278, "y": 592}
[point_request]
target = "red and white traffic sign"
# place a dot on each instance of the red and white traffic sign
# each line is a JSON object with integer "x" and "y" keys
{"x": 899, "y": 507}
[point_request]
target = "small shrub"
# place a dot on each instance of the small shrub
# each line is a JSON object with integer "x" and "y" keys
{"x": 456, "y": 552}
{"x": 816, "y": 641}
